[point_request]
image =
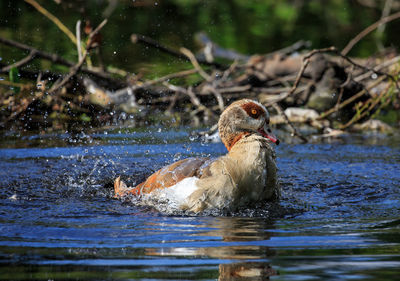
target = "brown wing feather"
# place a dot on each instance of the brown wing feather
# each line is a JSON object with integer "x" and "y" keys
{"x": 170, "y": 175}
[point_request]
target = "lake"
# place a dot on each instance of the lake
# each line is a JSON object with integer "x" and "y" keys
{"x": 338, "y": 218}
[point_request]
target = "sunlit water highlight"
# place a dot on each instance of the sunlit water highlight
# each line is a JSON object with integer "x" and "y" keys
{"x": 338, "y": 219}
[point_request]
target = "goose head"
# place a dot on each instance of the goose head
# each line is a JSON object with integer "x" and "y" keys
{"x": 244, "y": 117}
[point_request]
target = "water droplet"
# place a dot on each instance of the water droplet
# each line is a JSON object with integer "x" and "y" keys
{"x": 177, "y": 156}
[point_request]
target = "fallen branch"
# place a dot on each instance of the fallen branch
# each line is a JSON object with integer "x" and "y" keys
{"x": 367, "y": 68}
{"x": 377, "y": 68}
{"x": 137, "y": 38}
{"x": 306, "y": 61}
{"x": 290, "y": 49}
{"x": 193, "y": 98}
{"x": 156, "y": 81}
{"x": 195, "y": 63}
{"x": 20, "y": 63}
{"x": 54, "y": 58}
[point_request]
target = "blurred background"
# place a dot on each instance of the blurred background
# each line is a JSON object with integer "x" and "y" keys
{"x": 249, "y": 27}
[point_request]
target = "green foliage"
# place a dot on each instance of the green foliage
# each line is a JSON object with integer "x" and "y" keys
{"x": 83, "y": 117}
{"x": 253, "y": 26}
{"x": 390, "y": 117}
{"x": 285, "y": 11}
{"x": 14, "y": 77}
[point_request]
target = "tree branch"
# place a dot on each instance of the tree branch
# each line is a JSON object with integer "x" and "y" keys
{"x": 20, "y": 63}
{"x": 367, "y": 30}
{"x": 54, "y": 58}
{"x": 137, "y": 38}
{"x": 55, "y": 20}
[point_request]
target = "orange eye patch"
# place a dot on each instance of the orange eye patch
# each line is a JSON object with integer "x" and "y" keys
{"x": 253, "y": 110}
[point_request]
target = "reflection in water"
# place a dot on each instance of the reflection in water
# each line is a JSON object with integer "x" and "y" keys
{"x": 237, "y": 257}
{"x": 246, "y": 271}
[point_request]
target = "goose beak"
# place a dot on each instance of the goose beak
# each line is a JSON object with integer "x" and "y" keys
{"x": 266, "y": 132}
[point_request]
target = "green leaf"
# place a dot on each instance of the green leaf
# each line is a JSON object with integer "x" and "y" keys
{"x": 14, "y": 77}
{"x": 85, "y": 118}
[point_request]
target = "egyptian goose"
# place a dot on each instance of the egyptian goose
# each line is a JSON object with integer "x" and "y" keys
{"x": 246, "y": 174}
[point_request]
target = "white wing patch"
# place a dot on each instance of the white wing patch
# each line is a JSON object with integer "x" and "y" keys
{"x": 176, "y": 195}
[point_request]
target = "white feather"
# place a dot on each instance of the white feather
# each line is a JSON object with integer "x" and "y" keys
{"x": 176, "y": 195}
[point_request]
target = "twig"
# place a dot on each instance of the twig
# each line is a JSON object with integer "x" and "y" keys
{"x": 13, "y": 84}
{"x": 235, "y": 89}
{"x": 306, "y": 61}
{"x": 172, "y": 102}
{"x": 54, "y": 58}
{"x": 385, "y": 12}
{"x": 287, "y": 121}
{"x": 73, "y": 70}
{"x": 217, "y": 95}
{"x": 97, "y": 29}
{"x": 195, "y": 63}
{"x": 21, "y": 62}
{"x": 55, "y": 20}
{"x": 367, "y": 30}
{"x": 349, "y": 100}
{"x": 212, "y": 50}
{"x": 137, "y": 38}
{"x": 377, "y": 68}
{"x": 77, "y": 66}
{"x": 274, "y": 90}
{"x": 78, "y": 39}
{"x": 229, "y": 71}
{"x": 156, "y": 81}
{"x": 290, "y": 49}
{"x": 391, "y": 77}
{"x": 32, "y": 75}
{"x": 193, "y": 98}
{"x": 373, "y": 102}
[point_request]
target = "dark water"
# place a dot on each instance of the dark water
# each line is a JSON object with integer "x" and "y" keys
{"x": 338, "y": 219}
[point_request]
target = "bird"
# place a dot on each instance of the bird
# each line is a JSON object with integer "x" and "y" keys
{"x": 245, "y": 175}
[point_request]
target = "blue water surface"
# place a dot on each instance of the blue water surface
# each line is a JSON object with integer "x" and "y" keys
{"x": 338, "y": 218}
